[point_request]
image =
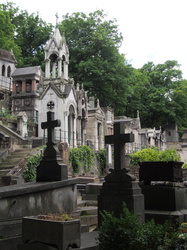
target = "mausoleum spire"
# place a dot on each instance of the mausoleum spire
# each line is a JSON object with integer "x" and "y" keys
{"x": 57, "y": 20}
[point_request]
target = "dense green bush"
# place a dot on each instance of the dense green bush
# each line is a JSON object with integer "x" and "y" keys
{"x": 154, "y": 154}
{"x": 33, "y": 161}
{"x": 128, "y": 233}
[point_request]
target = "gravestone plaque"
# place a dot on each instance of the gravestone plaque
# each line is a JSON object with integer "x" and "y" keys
{"x": 119, "y": 185}
{"x": 51, "y": 167}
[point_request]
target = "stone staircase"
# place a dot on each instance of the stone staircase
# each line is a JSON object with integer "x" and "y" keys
{"x": 11, "y": 160}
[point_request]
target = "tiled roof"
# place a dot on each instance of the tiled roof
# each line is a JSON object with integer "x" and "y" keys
{"x": 26, "y": 71}
{"x": 7, "y": 55}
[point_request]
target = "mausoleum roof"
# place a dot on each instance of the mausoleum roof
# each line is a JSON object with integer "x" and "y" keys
{"x": 7, "y": 55}
{"x": 27, "y": 71}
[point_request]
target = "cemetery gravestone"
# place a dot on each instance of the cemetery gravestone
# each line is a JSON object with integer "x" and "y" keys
{"x": 64, "y": 152}
{"x": 119, "y": 185}
{"x": 51, "y": 167}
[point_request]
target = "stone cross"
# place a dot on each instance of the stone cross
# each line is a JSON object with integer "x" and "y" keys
{"x": 50, "y": 168}
{"x": 119, "y": 139}
{"x": 50, "y": 125}
{"x": 50, "y": 105}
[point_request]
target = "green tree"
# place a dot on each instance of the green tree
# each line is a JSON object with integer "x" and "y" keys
{"x": 162, "y": 98}
{"x": 137, "y": 94}
{"x": 7, "y": 30}
{"x": 95, "y": 60}
{"x": 30, "y": 34}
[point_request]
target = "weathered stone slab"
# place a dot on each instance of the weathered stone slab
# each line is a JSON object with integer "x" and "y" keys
{"x": 92, "y": 191}
{"x": 38, "y": 198}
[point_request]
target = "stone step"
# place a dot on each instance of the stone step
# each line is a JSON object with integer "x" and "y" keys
{"x": 10, "y": 161}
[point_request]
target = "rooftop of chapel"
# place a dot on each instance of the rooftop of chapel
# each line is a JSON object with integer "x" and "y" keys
{"x": 7, "y": 55}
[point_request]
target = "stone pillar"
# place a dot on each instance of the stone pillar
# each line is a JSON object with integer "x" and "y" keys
{"x": 108, "y": 158}
{"x": 47, "y": 68}
{"x": 66, "y": 113}
{"x": 53, "y": 70}
{"x": 14, "y": 87}
{"x": 34, "y": 87}
{"x": 74, "y": 131}
{"x": 59, "y": 67}
{"x": 65, "y": 70}
{"x": 23, "y": 89}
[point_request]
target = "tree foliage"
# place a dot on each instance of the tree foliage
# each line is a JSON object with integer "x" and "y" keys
{"x": 159, "y": 93}
{"x": 29, "y": 32}
{"x": 94, "y": 57}
{"x": 7, "y": 29}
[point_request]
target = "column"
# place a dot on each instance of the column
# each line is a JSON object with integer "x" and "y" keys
{"x": 66, "y": 113}
{"x": 59, "y": 67}
{"x": 34, "y": 87}
{"x": 53, "y": 70}
{"x": 23, "y": 89}
{"x": 74, "y": 131}
{"x": 47, "y": 68}
{"x": 14, "y": 87}
{"x": 65, "y": 70}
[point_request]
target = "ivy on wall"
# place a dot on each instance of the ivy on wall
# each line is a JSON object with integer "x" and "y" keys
{"x": 83, "y": 156}
{"x": 80, "y": 157}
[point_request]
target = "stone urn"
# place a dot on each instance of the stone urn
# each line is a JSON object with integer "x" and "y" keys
{"x": 62, "y": 234}
{"x": 160, "y": 171}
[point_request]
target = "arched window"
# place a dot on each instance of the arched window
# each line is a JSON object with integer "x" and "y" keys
{"x": 8, "y": 71}
{"x": 3, "y": 70}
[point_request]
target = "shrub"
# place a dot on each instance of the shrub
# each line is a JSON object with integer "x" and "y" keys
{"x": 126, "y": 232}
{"x": 29, "y": 173}
{"x": 154, "y": 154}
{"x": 33, "y": 161}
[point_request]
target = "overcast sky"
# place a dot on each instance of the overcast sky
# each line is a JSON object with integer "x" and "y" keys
{"x": 153, "y": 30}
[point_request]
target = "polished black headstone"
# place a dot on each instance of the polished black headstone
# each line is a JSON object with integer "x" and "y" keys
{"x": 119, "y": 185}
{"x": 51, "y": 167}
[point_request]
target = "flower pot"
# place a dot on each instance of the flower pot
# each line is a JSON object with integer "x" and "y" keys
{"x": 161, "y": 171}
{"x": 59, "y": 233}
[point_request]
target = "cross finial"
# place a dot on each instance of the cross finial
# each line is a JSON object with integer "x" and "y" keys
{"x": 57, "y": 19}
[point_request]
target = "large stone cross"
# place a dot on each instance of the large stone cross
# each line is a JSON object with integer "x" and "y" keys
{"x": 50, "y": 125}
{"x": 50, "y": 168}
{"x": 119, "y": 139}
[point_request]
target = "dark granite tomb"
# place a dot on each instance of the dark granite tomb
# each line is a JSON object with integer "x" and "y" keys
{"x": 51, "y": 167}
{"x": 119, "y": 185}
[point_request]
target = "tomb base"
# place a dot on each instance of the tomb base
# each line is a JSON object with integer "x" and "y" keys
{"x": 164, "y": 197}
{"x": 162, "y": 216}
{"x": 120, "y": 187}
{"x": 51, "y": 170}
{"x": 163, "y": 202}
